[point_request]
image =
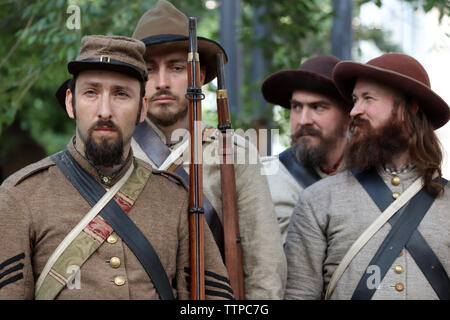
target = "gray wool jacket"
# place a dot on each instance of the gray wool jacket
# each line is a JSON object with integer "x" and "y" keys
{"x": 328, "y": 218}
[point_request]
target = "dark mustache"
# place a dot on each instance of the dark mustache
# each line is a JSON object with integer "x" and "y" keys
{"x": 163, "y": 92}
{"x": 103, "y": 124}
{"x": 306, "y": 131}
{"x": 359, "y": 122}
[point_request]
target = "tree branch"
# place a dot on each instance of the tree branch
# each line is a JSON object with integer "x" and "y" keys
{"x": 14, "y": 47}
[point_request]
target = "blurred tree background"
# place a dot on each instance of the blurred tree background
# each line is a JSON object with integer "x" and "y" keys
{"x": 37, "y": 42}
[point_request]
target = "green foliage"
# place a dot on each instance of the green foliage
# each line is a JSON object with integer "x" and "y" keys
{"x": 297, "y": 30}
{"x": 294, "y": 28}
{"x": 37, "y": 45}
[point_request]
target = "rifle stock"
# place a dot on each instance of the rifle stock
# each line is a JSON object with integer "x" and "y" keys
{"x": 232, "y": 239}
{"x": 196, "y": 231}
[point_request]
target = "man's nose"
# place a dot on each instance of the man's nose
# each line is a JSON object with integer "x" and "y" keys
{"x": 162, "y": 81}
{"x": 357, "y": 109}
{"x": 305, "y": 117}
{"x": 105, "y": 111}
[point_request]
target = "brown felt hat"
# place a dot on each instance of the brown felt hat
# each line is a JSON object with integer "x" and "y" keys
{"x": 313, "y": 75}
{"x": 114, "y": 53}
{"x": 400, "y": 72}
{"x": 164, "y": 28}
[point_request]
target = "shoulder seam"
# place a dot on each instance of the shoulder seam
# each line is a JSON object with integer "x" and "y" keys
{"x": 25, "y": 173}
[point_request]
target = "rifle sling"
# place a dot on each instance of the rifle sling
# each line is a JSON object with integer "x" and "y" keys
{"x": 157, "y": 151}
{"x": 403, "y": 233}
{"x": 92, "y": 191}
{"x": 305, "y": 176}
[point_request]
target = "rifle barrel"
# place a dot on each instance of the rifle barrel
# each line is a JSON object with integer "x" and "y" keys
{"x": 195, "y": 169}
{"x": 232, "y": 239}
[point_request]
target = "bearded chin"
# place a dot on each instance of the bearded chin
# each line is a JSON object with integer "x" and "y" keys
{"x": 166, "y": 119}
{"x": 312, "y": 156}
{"x": 105, "y": 153}
{"x": 373, "y": 148}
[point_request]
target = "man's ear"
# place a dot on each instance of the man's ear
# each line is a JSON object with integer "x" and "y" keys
{"x": 69, "y": 106}
{"x": 144, "y": 109}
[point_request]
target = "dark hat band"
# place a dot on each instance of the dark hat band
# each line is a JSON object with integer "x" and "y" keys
{"x": 106, "y": 63}
{"x": 164, "y": 38}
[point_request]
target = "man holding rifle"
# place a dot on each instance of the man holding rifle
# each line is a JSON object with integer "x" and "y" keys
{"x": 164, "y": 30}
{"x": 93, "y": 222}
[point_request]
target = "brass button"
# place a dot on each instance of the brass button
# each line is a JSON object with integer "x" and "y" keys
{"x": 114, "y": 262}
{"x": 119, "y": 281}
{"x": 112, "y": 239}
{"x": 105, "y": 179}
{"x": 399, "y": 287}
{"x": 395, "y": 195}
{"x": 398, "y": 269}
{"x": 395, "y": 180}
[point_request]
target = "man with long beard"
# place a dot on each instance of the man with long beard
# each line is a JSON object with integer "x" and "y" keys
{"x": 93, "y": 222}
{"x": 319, "y": 122}
{"x": 164, "y": 30}
{"x": 379, "y": 230}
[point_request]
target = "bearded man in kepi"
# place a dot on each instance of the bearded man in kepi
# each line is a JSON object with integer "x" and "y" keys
{"x": 380, "y": 229}
{"x": 164, "y": 30}
{"x": 319, "y": 123}
{"x": 93, "y": 222}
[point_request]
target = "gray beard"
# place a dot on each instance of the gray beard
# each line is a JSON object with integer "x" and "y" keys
{"x": 313, "y": 156}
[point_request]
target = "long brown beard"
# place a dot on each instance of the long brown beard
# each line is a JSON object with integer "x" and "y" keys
{"x": 374, "y": 147}
{"x": 168, "y": 119}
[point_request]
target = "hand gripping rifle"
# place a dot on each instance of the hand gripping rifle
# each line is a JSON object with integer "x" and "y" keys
{"x": 232, "y": 239}
{"x": 196, "y": 235}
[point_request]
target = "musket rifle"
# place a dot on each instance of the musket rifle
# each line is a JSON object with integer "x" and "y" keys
{"x": 196, "y": 231}
{"x": 232, "y": 239}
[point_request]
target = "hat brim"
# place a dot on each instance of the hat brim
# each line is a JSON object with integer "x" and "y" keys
{"x": 278, "y": 87}
{"x": 435, "y": 108}
{"x": 75, "y": 67}
{"x": 207, "y": 49}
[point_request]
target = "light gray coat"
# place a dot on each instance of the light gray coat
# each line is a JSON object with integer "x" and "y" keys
{"x": 328, "y": 218}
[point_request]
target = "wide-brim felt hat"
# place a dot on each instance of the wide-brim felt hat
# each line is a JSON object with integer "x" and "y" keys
{"x": 314, "y": 75}
{"x": 164, "y": 28}
{"x": 400, "y": 72}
